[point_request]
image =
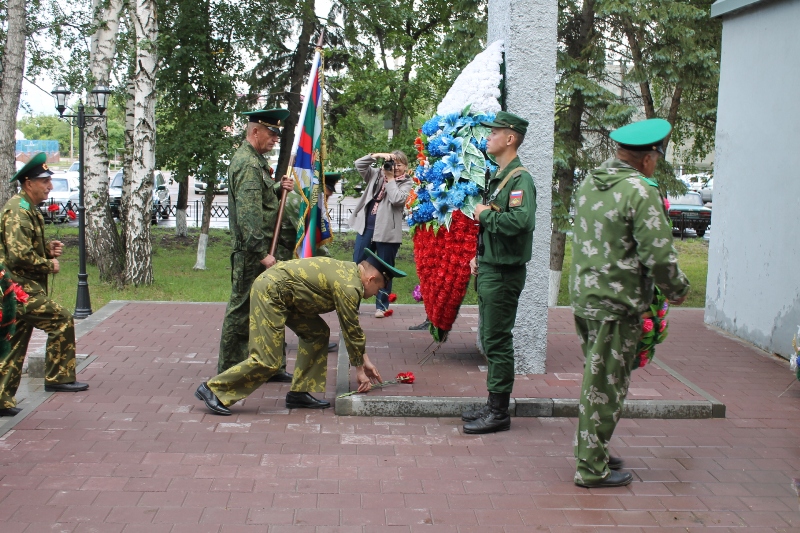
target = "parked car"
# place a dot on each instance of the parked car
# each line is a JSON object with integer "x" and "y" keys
{"x": 695, "y": 182}
{"x": 74, "y": 171}
{"x": 161, "y": 197}
{"x": 59, "y": 196}
{"x": 706, "y": 192}
{"x": 687, "y": 212}
{"x": 220, "y": 185}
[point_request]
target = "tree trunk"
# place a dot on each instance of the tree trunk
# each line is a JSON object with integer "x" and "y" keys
{"x": 127, "y": 164}
{"x": 103, "y": 240}
{"x": 293, "y": 102}
{"x": 565, "y": 177}
{"x": 181, "y": 228}
{"x": 13, "y": 59}
{"x": 634, "y": 41}
{"x": 208, "y": 199}
{"x": 138, "y": 259}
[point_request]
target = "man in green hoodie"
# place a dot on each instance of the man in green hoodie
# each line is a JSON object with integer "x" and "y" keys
{"x": 507, "y": 224}
{"x": 622, "y": 249}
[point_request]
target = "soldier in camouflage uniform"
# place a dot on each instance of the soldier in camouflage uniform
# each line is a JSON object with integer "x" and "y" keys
{"x": 294, "y": 294}
{"x": 29, "y": 260}
{"x": 622, "y": 247}
{"x": 253, "y": 200}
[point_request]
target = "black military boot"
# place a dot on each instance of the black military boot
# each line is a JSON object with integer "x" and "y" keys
{"x": 474, "y": 414}
{"x": 497, "y": 419}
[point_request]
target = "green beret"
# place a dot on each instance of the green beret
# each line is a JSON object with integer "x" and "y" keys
{"x": 331, "y": 179}
{"x": 511, "y": 121}
{"x": 35, "y": 168}
{"x": 645, "y": 135}
{"x": 383, "y": 267}
{"x": 273, "y": 119}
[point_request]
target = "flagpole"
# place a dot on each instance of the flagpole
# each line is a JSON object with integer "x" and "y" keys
{"x": 296, "y": 142}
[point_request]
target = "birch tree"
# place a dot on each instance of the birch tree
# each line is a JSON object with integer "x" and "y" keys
{"x": 103, "y": 240}
{"x": 138, "y": 248}
{"x": 13, "y": 63}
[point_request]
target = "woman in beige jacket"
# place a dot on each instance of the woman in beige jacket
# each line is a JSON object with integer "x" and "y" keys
{"x": 378, "y": 216}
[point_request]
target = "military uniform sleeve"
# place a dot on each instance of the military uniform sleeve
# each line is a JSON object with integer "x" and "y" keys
{"x": 514, "y": 220}
{"x": 19, "y": 234}
{"x": 653, "y": 234}
{"x": 346, "y": 300}
{"x": 249, "y": 215}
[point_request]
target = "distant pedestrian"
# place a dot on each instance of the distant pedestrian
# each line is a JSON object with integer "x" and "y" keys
{"x": 28, "y": 260}
{"x": 378, "y": 215}
{"x": 507, "y": 225}
{"x": 253, "y": 200}
{"x": 622, "y": 249}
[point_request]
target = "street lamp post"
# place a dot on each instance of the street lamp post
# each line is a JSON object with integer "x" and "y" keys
{"x": 83, "y": 305}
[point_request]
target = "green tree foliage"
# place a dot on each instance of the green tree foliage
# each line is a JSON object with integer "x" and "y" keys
{"x": 402, "y": 57}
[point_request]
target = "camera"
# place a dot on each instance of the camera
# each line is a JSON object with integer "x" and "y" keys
{"x": 388, "y": 164}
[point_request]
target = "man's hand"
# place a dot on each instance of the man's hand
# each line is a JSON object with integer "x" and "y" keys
{"x": 680, "y": 300}
{"x": 56, "y": 248}
{"x": 364, "y": 383}
{"x": 473, "y": 266}
{"x": 480, "y": 208}
{"x": 269, "y": 261}
{"x": 371, "y": 371}
{"x": 287, "y": 184}
{"x": 56, "y": 266}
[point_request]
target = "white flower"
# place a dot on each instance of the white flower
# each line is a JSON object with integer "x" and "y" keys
{"x": 477, "y": 85}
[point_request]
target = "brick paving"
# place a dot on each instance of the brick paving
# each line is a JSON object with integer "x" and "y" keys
{"x": 137, "y": 452}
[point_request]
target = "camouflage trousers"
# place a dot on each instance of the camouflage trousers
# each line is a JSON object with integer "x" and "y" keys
{"x": 42, "y": 313}
{"x": 610, "y": 351}
{"x": 269, "y": 318}
{"x": 234, "y": 339}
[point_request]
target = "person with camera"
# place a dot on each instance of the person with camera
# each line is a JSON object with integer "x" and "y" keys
{"x": 378, "y": 215}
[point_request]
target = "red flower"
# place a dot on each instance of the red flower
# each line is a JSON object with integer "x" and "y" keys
{"x": 53, "y": 208}
{"x": 22, "y": 296}
{"x": 71, "y": 214}
{"x": 663, "y": 326}
{"x": 405, "y": 377}
{"x": 666, "y": 204}
{"x": 647, "y": 327}
{"x": 388, "y": 312}
{"x": 642, "y": 360}
{"x": 661, "y": 313}
{"x": 392, "y": 297}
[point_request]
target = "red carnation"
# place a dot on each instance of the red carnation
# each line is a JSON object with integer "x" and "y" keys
{"x": 642, "y": 359}
{"x": 661, "y": 313}
{"x": 71, "y": 214}
{"x": 22, "y": 296}
{"x": 53, "y": 208}
{"x": 388, "y": 313}
{"x": 405, "y": 377}
{"x": 663, "y": 326}
{"x": 392, "y": 298}
{"x": 647, "y": 327}
{"x": 666, "y": 204}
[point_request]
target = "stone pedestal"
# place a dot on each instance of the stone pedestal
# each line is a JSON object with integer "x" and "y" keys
{"x": 529, "y": 30}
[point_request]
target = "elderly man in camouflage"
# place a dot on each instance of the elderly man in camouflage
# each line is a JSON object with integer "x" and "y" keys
{"x": 622, "y": 248}
{"x": 253, "y": 199}
{"x": 29, "y": 260}
{"x": 294, "y": 294}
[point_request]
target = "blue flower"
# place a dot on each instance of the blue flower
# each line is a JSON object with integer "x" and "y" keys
{"x": 423, "y": 213}
{"x": 423, "y": 195}
{"x": 422, "y": 172}
{"x": 436, "y": 173}
{"x": 455, "y": 197}
{"x": 479, "y": 145}
{"x": 469, "y": 188}
{"x": 431, "y": 126}
{"x": 451, "y": 123}
{"x": 453, "y": 165}
{"x": 438, "y": 146}
{"x": 488, "y": 117}
{"x": 490, "y": 166}
{"x": 438, "y": 193}
{"x": 442, "y": 208}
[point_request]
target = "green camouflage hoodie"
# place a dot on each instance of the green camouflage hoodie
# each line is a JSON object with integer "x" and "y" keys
{"x": 622, "y": 245}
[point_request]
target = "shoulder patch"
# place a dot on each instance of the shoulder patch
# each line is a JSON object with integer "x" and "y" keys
{"x": 515, "y": 198}
{"x": 24, "y": 204}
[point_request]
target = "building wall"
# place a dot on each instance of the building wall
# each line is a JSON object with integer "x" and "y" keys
{"x": 754, "y": 256}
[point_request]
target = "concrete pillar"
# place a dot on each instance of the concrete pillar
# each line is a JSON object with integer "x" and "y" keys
{"x": 529, "y": 30}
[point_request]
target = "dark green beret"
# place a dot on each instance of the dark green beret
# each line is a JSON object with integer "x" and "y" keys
{"x": 383, "y": 267}
{"x": 331, "y": 179}
{"x": 642, "y": 136}
{"x": 511, "y": 121}
{"x": 35, "y": 168}
{"x": 273, "y": 119}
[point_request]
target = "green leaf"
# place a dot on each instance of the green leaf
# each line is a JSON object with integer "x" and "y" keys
{"x": 469, "y": 205}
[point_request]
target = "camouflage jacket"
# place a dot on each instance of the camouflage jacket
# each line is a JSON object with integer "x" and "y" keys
{"x": 253, "y": 200}
{"x": 508, "y": 234}
{"x": 622, "y": 245}
{"x": 23, "y": 249}
{"x": 318, "y": 285}
{"x": 288, "y": 237}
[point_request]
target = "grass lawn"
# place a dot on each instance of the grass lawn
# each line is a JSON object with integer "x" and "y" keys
{"x": 174, "y": 279}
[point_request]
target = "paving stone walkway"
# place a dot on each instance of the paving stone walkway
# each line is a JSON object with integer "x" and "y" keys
{"x": 138, "y": 453}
